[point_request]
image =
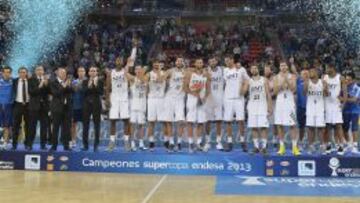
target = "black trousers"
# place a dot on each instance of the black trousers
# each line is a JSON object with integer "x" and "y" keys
{"x": 35, "y": 116}
{"x": 94, "y": 110}
{"x": 20, "y": 112}
{"x": 61, "y": 119}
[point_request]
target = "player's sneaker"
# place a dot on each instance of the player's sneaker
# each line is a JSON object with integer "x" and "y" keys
{"x": 255, "y": 151}
{"x": 311, "y": 149}
{"x": 229, "y": 147}
{"x": 206, "y": 147}
{"x": 133, "y": 146}
{"x": 263, "y": 151}
{"x": 296, "y": 151}
{"x": 72, "y": 144}
{"x": 111, "y": 146}
{"x": 198, "y": 147}
{"x": 244, "y": 147}
{"x": 282, "y": 150}
{"x": 219, "y": 146}
{"x": 340, "y": 151}
{"x": 171, "y": 148}
{"x": 152, "y": 146}
{"x": 192, "y": 148}
{"x": 355, "y": 150}
{"x": 142, "y": 147}
{"x": 323, "y": 150}
{"x": 127, "y": 146}
{"x": 167, "y": 144}
{"x": 177, "y": 148}
{"x": 328, "y": 149}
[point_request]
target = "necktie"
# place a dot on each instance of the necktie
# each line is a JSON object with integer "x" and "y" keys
{"x": 65, "y": 100}
{"x": 24, "y": 91}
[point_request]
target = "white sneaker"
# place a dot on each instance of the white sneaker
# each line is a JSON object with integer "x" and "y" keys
{"x": 355, "y": 150}
{"x": 206, "y": 147}
{"x": 311, "y": 149}
{"x": 219, "y": 146}
{"x": 133, "y": 146}
{"x": 111, "y": 146}
{"x": 142, "y": 147}
{"x": 72, "y": 144}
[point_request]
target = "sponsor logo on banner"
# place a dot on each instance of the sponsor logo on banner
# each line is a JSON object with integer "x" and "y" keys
{"x": 6, "y": 165}
{"x": 269, "y": 163}
{"x": 50, "y": 158}
{"x": 285, "y": 163}
{"x": 338, "y": 170}
{"x": 334, "y": 164}
{"x": 64, "y": 158}
{"x": 32, "y": 162}
{"x": 285, "y": 172}
{"x": 50, "y": 167}
{"x": 306, "y": 168}
{"x": 64, "y": 167}
{"x": 269, "y": 172}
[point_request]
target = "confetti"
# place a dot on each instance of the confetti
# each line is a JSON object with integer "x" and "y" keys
{"x": 39, "y": 27}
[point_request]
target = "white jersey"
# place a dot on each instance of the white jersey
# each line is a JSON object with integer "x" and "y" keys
{"x": 198, "y": 81}
{"x": 234, "y": 78}
{"x": 217, "y": 82}
{"x": 315, "y": 105}
{"x": 285, "y": 99}
{"x": 257, "y": 104}
{"x": 119, "y": 85}
{"x": 156, "y": 89}
{"x": 175, "y": 84}
{"x": 332, "y": 102}
{"x": 138, "y": 96}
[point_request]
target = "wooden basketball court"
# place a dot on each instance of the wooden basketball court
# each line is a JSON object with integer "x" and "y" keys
{"x": 54, "y": 187}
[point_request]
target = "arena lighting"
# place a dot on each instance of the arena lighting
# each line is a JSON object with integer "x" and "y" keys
{"x": 39, "y": 27}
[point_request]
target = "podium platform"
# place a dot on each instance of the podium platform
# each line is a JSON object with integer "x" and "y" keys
{"x": 214, "y": 163}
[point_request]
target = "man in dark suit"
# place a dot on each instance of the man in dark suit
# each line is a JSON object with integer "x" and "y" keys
{"x": 93, "y": 89}
{"x": 38, "y": 106}
{"x": 21, "y": 104}
{"x": 61, "y": 107}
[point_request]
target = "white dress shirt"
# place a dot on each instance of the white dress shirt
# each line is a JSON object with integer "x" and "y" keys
{"x": 19, "y": 95}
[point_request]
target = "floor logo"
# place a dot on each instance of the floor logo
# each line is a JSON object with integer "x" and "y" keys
{"x": 32, "y": 162}
{"x": 6, "y": 165}
{"x": 306, "y": 168}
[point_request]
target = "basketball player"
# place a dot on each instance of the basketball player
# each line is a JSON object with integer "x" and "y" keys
{"x": 197, "y": 87}
{"x": 6, "y": 103}
{"x": 259, "y": 107}
{"x": 301, "y": 102}
{"x": 78, "y": 99}
{"x": 214, "y": 103}
{"x": 269, "y": 75}
{"x": 333, "y": 108}
{"x": 138, "y": 89}
{"x": 285, "y": 112}
{"x": 234, "y": 102}
{"x": 155, "y": 104}
{"x": 117, "y": 99}
{"x": 315, "y": 90}
{"x": 351, "y": 112}
{"x": 175, "y": 103}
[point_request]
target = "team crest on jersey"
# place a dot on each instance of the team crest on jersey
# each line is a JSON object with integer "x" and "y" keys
{"x": 256, "y": 89}
{"x": 232, "y": 76}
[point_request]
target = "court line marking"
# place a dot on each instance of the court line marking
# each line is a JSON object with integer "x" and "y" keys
{"x": 156, "y": 187}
